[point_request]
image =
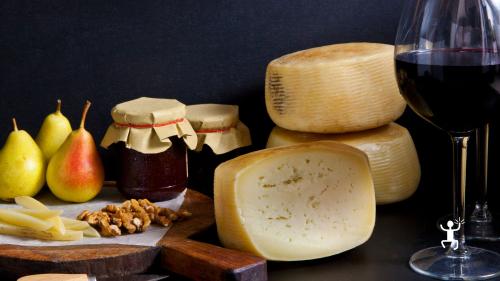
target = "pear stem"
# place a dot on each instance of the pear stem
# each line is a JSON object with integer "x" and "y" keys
{"x": 15, "y": 124}
{"x": 84, "y": 114}
{"x": 58, "y": 107}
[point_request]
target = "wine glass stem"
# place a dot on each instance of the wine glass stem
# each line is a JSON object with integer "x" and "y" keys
{"x": 481, "y": 212}
{"x": 459, "y": 178}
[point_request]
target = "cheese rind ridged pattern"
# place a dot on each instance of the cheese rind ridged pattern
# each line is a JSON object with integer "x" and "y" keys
{"x": 334, "y": 89}
{"x": 297, "y": 202}
{"x": 390, "y": 149}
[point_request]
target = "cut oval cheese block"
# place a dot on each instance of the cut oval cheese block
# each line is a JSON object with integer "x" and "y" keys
{"x": 297, "y": 202}
{"x": 334, "y": 89}
{"x": 390, "y": 149}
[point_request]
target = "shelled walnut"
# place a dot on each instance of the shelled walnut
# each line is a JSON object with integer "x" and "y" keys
{"x": 132, "y": 216}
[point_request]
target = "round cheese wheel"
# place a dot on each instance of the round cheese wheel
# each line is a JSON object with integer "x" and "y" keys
{"x": 390, "y": 149}
{"x": 300, "y": 202}
{"x": 334, "y": 89}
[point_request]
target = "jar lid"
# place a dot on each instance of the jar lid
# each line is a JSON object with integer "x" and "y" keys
{"x": 146, "y": 124}
{"x": 218, "y": 126}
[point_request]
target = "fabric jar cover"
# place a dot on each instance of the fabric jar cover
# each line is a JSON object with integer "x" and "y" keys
{"x": 146, "y": 124}
{"x": 218, "y": 126}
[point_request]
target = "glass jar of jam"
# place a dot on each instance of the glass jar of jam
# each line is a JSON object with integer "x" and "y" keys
{"x": 218, "y": 127}
{"x": 150, "y": 138}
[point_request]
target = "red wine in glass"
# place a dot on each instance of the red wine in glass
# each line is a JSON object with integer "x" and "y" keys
{"x": 458, "y": 90}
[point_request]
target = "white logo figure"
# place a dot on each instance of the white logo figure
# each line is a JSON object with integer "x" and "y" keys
{"x": 449, "y": 235}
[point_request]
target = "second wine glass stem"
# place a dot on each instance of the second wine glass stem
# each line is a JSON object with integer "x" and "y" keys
{"x": 459, "y": 179}
{"x": 481, "y": 214}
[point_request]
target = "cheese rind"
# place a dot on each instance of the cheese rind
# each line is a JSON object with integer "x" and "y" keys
{"x": 297, "y": 202}
{"x": 334, "y": 89}
{"x": 390, "y": 149}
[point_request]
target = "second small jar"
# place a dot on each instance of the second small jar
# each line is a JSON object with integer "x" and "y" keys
{"x": 221, "y": 137}
{"x": 150, "y": 138}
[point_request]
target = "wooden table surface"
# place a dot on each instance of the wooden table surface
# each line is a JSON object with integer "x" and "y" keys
{"x": 401, "y": 229}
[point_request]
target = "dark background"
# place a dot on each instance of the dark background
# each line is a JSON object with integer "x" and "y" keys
{"x": 202, "y": 52}
{"x": 193, "y": 51}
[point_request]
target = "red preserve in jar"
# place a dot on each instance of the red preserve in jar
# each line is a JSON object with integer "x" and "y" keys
{"x": 150, "y": 138}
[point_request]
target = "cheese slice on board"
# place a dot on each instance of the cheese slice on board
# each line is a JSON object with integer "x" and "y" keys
{"x": 390, "y": 149}
{"x": 334, "y": 89}
{"x": 298, "y": 202}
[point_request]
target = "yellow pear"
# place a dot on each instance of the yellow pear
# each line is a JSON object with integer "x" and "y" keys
{"x": 22, "y": 166}
{"x": 54, "y": 131}
{"x": 75, "y": 172}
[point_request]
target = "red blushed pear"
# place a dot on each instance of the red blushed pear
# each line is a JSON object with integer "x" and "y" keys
{"x": 75, "y": 172}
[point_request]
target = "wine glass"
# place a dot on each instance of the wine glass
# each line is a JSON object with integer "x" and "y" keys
{"x": 447, "y": 61}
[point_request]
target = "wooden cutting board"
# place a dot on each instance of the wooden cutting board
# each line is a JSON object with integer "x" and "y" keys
{"x": 175, "y": 252}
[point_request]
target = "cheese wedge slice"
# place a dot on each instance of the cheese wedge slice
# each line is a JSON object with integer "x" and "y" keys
{"x": 390, "y": 149}
{"x": 297, "y": 202}
{"x": 334, "y": 89}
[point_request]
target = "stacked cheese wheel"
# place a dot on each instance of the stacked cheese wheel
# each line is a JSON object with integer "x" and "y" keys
{"x": 335, "y": 153}
{"x": 340, "y": 89}
{"x": 334, "y": 89}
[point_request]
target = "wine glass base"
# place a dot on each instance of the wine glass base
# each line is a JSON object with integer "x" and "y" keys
{"x": 441, "y": 263}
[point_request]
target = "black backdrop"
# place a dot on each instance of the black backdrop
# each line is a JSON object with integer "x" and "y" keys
{"x": 193, "y": 51}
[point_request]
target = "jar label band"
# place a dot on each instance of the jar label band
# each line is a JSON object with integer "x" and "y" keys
{"x": 208, "y": 131}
